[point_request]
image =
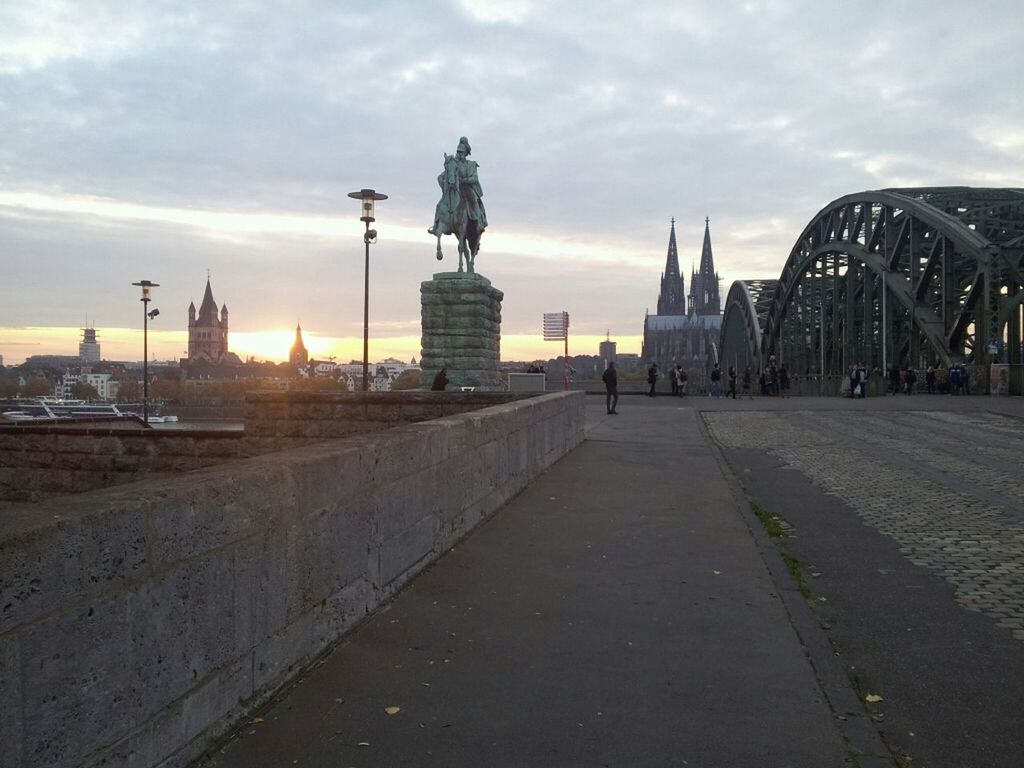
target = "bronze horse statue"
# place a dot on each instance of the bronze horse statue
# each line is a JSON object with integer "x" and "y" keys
{"x": 460, "y": 211}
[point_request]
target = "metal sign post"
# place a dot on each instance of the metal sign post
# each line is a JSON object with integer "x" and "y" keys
{"x": 556, "y": 328}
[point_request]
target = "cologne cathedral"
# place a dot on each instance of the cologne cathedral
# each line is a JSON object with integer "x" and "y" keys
{"x": 685, "y": 331}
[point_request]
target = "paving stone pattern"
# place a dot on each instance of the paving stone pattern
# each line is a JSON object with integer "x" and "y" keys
{"x": 947, "y": 487}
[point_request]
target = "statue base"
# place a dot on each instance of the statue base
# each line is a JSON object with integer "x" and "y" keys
{"x": 461, "y": 321}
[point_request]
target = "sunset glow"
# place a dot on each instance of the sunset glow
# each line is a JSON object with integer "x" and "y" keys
{"x": 273, "y": 345}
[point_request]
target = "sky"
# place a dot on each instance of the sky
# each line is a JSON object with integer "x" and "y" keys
{"x": 170, "y": 140}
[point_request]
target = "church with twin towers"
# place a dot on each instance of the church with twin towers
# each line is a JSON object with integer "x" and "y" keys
{"x": 685, "y": 330}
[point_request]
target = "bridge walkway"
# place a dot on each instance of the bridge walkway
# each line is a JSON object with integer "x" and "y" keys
{"x": 619, "y": 612}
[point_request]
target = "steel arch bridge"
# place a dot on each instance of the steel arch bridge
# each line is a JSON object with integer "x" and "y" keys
{"x": 920, "y": 276}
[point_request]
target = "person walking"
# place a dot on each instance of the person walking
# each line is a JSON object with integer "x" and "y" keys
{"x": 784, "y": 381}
{"x": 716, "y": 382}
{"x": 652, "y": 378}
{"x": 894, "y": 379}
{"x": 732, "y": 382}
{"x": 965, "y": 380}
{"x": 673, "y": 379}
{"x": 611, "y": 389}
{"x": 747, "y": 382}
{"x": 929, "y": 380}
{"x": 683, "y": 378}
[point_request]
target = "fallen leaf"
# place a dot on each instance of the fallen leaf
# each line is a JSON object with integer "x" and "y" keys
{"x": 425, "y": 685}
{"x": 717, "y": 573}
{"x": 256, "y": 720}
{"x": 392, "y": 710}
{"x": 363, "y": 744}
{"x": 872, "y": 698}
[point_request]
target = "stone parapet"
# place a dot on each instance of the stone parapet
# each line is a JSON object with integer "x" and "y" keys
{"x": 461, "y": 325}
{"x": 138, "y": 623}
{"x": 58, "y": 458}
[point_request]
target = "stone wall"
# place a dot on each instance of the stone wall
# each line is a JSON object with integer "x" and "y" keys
{"x": 38, "y": 462}
{"x": 138, "y": 623}
{"x": 315, "y": 415}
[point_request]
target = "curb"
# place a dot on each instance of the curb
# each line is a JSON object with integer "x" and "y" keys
{"x": 851, "y": 718}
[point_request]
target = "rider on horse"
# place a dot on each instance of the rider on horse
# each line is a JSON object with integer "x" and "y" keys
{"x": 460, "y": 211}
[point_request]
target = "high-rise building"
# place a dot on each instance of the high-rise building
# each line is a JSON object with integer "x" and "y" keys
{"x": 606, "y": 349}
{"x": 88, "y": 347}
{"x": 207, "y": 334}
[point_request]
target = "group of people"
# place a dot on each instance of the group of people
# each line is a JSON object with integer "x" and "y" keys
{"x": 958, "y": 380}
{"x": 678, "y": 378}
{"x": 774, "y": 381}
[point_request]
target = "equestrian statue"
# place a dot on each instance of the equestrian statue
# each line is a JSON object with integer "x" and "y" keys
{"x": 460, "y": 211}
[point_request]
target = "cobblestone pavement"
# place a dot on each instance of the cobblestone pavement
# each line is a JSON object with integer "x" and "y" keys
{"x": 946, "y": 486}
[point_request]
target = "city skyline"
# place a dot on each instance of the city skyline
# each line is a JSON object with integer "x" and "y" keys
{"x": 156, "y": 143}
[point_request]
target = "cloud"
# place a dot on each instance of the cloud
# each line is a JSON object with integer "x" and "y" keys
{"x": 160, "y": 140}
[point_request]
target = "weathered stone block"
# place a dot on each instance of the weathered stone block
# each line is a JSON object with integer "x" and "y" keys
{"x": 12, "y": 720}
{"x": 407, "y": 551}
{"x": 84, "y": 682}
{"x": 69, "y": 559}
{"x": 183, "y": 629}
{"x": 461, "y": 318}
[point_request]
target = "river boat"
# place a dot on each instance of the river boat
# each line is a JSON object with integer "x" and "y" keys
{"x": 55, "y": 408}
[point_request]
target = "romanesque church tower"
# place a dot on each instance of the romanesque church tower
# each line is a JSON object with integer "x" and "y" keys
{"x": 207, "y": 334}
{"x": 704, "y": 293}
{"x": 672, "y": 299}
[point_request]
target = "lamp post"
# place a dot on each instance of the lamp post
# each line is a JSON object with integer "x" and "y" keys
{"x": 367, "y": 196}
{"x": 146, "y": 285}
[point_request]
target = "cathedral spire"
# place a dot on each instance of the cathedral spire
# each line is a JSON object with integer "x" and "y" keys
{"x": 672, "y": 299}
{"x": 704, "y": 285}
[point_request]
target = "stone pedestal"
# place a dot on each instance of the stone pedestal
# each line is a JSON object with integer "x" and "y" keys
{"x": 461, "y": 319}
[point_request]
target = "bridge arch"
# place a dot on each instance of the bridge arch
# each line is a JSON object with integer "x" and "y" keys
{"x": 746, "y": 309}
{"x": 901, "y": 276}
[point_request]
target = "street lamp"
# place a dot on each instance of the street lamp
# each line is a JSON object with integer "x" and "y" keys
{"x": 146, "y": 285}
{"x": 367, "y": 196}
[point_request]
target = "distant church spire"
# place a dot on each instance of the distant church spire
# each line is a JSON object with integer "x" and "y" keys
{"x": 298, "y": 356}
{"x": 704, "y": 293}
{"x": 672, "y": 299}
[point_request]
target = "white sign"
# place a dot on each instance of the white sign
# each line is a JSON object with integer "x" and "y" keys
{"x": 556, "y": 326}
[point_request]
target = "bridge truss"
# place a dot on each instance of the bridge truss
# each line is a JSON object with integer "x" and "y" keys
{"x": 899, "y": 276}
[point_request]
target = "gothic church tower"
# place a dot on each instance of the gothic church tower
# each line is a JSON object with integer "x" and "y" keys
{"x": 704, "y": 293}
{"x": 672, "y": 299}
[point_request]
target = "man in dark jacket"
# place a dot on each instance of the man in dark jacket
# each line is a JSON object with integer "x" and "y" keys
{"x": 440, "y": 380}
{"x": 611, "y": 386}
{"x": 652, "y": 378}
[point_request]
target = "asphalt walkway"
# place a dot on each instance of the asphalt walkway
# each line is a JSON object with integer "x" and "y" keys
{"x": 619, "y": 612}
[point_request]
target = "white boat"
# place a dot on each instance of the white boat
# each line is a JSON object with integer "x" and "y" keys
{"x": 156, "y": 419}
{"x": 170, "y": 418}
{"x": 55, "y": 408}
{"x": 18, "y": 416}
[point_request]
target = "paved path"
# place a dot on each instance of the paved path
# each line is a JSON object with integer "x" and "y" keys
{"x": 617, "y": 613}
{"x": 910, "y": 529}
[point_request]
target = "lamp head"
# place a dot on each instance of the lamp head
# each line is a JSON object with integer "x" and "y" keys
{"x": 367, "y": 197}
{"x": 146, "y": 285}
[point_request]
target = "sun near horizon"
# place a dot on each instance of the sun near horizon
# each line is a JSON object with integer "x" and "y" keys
{"x": 273, "y": 345}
